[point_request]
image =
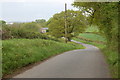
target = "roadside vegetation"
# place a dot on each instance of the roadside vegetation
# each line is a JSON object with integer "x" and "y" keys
{"x": 105, "y": 17}
{"x": 110, "y": 55}
{"x": 18, "y": 53}
{"x": 94, "y": 23}
{"x": 24, "y": 44}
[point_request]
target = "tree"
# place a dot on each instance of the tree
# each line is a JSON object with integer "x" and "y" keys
{"x": 32, "y": 27}
{"x": 105, "y": 16}
{"x": 2, "y": 24}
{"x": 76, "y": 23}
{"x": 41, "y": 22}
{"x": 5, "y": 32}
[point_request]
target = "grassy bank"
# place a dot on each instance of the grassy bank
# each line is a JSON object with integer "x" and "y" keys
{"x": 92, "y": 37}
{"x": 17, "y": 53}
{"x": 111, "y": 55}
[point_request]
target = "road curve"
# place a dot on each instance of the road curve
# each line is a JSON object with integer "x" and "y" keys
{"x": 82, "y": 63}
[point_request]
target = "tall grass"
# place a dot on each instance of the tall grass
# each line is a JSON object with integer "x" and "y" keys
{"x": 21, "y": 52}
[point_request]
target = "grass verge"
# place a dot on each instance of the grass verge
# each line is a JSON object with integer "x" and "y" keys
{"x": 17, "y": 53}
{"x": 111, "y": 56}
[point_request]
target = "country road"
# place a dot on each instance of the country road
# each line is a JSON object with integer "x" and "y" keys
{"x": 82, "y": 63}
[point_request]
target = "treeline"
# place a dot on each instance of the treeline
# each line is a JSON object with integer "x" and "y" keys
{"x": 76, "y": 23}
{"x": 29, "y": 30}
{"x": 105, "y": 16}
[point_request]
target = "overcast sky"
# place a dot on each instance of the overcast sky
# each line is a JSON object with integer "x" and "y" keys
{"x": 30, "y": 10}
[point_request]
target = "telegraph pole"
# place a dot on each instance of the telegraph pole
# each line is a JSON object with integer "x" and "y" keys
{"x": 65, "y": 22}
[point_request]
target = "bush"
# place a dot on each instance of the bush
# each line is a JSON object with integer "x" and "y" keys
{"x": 6, "y": 33}
{"x": 31, "y": 27}
{"x": 18, "y": 32}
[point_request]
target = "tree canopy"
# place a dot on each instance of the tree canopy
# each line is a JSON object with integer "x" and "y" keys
{"x": 76, "y": 23}
{"x": 105, "y": 16}
{"x": 32, "y": 26}
{"x": 41, "y": 22}
{"x": 2, "y": 23}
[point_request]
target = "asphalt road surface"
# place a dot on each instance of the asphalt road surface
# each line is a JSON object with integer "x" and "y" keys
{"x": 82, "y": 63}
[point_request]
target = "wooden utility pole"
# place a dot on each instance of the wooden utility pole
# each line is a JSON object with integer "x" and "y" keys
{"x": 65, "y": 22}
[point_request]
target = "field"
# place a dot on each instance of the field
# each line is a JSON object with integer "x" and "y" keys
{"x": 111, "y": 56}
{"x": 18, "y": 53}
{"x": 93, "y": 37}
{"x": 91, "y": 34}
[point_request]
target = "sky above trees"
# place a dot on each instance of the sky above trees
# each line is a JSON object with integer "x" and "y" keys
{"x": 30, "y": 10}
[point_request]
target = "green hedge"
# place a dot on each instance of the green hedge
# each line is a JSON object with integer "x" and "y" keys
{"x": 20, "y": 32}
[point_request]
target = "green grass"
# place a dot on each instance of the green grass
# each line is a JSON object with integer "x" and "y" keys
{"x": 17, "y": 53}
{"x": 92, "y": 29}
{"x": 92, "y": 43}
{"x": 92, "y": 36}
{"x": 111, "y": 55}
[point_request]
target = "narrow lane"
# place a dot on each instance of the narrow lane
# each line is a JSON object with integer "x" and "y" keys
{"x": 82, "y": 63}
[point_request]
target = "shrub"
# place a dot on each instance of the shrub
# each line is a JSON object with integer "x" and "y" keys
{"x": 6, "y": 33}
